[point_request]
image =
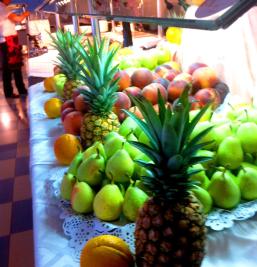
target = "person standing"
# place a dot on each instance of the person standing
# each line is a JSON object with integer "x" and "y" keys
{"x": 11, "y": 50}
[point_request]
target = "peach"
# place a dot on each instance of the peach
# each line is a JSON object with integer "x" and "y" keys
{"x": 136, "y": 111}
{"x": 208, "y": 95}
{"x": 204, "y": 77}
{"x": 77, "y": 91}
{"x": 123, "y": 102}
{"x": 162, "y": 70}
{"x": 141, "y": 77}
{"x": 184, "y": 77}
{"x": 124, "y": 79}
{"x": 150, "y": 92}
{"x": 163, "y": 82}
{"x": 176, "y": 88}
{"x": 67, "y": 104}
{"x": 81, "y": 104}
{"x": 170, "y": 75}
{"x": 195, "y": 66}
{"x": 65, "y": 112}
{"x": 72, "y": 122}
{"x": 133, "y": 90}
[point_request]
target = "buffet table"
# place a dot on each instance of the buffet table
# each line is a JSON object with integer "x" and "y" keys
{"x": 235, "y": 246}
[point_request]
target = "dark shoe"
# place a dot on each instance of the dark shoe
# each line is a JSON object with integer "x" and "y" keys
{"x": 13, "y": 96}
{"x": 23, "y": 94}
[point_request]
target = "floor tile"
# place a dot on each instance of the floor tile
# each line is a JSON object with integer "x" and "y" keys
{"x": 8, "y": 151}
{"x": 8, "y": 137}
{"x": 4, "y": 250}
{"x": 21, "y": 216}
{"x": 5, "y": 215}
{"x": 7, "y": 168}
{"x": 8, "y": 115}
{"x": 22, "y": 166}
{"x": 6, "y": 190}
{"x": 22, "y": 188}
{"x": 21, "y": 250}
{"x": 23, "y": 134}
{"x": 22, "y": 150}
{"x": 23, "y": 124}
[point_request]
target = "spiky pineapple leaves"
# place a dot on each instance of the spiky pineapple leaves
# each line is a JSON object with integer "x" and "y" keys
{"x": 169, "y": 134}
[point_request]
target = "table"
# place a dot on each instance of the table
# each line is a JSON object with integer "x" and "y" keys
{"x": 235, "y": 247}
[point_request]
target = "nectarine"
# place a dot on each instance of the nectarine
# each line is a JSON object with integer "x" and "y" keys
{"x": 208, "y": 95}
{"x": 176, "y": 88}
{"x": 124, "y": 79}
{"x": 72, "y": 122}
{"x": 150, "y": 92}
{"x": 141, "y": 77}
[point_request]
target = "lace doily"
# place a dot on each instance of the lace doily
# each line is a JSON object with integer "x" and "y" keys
{"x": 80, "y": 228}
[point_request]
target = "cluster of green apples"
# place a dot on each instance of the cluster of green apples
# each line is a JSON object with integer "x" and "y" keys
{"x": 105, "y": 179}
{"x": 230, "y": 176}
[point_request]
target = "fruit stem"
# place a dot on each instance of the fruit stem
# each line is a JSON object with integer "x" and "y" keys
{"x": 131, "y": 131}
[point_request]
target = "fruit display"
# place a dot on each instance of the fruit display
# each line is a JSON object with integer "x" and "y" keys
{"x": 104, "y": 249}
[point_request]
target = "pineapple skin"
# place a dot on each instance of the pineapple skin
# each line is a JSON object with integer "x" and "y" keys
{"x": 68, "y": 88}
{"x": 170, "y": 235}
{"x": 96, "y": 127}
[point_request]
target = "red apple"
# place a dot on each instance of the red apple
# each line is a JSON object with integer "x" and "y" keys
{"x": 72, "y": 122}
{"x": 195, "y": 66}
{"x": 67, "y": 104}
{"x": 150, "y": 92}
{"x": 176, "y": 88}
{"x": 208, "y": 95}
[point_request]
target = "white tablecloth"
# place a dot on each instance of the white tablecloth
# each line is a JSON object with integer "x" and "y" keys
{"x": 235, "y": 247}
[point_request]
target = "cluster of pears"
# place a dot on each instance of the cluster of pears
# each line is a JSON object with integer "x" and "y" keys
{"x": 230, "y": 174}
{"x": 105, "y": 178}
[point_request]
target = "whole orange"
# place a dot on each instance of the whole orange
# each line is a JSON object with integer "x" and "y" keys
{"x": 106, "y": 251}
{"x": 66, "y": 147}
{"x": 52, "y": 107}
{"x": 49, "y": 84}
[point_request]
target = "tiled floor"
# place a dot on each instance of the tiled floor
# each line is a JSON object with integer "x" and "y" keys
{"x": 16, "y": 225}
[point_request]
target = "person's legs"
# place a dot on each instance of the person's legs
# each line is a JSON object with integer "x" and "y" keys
{"x": 6, "y": 72}
{"x": 19, "y": 81}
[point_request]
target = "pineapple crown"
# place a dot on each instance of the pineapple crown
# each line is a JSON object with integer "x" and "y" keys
{"x": 97, "y": 72}
{"x": 67, "y": 54}
{"x": 171, "y": 149}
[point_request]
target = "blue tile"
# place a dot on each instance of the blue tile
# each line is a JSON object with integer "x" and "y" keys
{"x": 23, "y": 135}
{"x": 22, "y": 166}
{"x": 4, "y": 250}
{"x": 8, "y": 151}
{"x": 21, "y": 216}
{"x": 6, "y": 190}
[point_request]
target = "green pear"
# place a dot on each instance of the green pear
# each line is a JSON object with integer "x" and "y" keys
{"x": 138, "y": 168}
{"x": 224, "y": 190}
{"x": 143, "y": 138}
{"x": 201, "y": 126}
{"x": 67, "y": 184}
{"x": 113, "y": 144}
{"x": 206, "y": 153}
{"x": 219, "y": 133}
{"x": 91, "y": 169}
{"x": 248, "y": 158}
{"x": 248, "y": 183}
{"x": 134, "y": 199}
{"x": 127, "y": 126}
{"x": 230, "y": 153}
{"x": 132, "y": 150}
{"x": 120, "y": 167}
{"x": 247, "y": 133}
{"x": 82, "y": 198}
{"x": 200, "y": 176}
{"x": 97, "y": 146}
{"x": 108, "y": 203}
{"x": 250, "y": 115}
{"x": 204, "y": 197}
{"x": 137, "y": 131}
{"x": 110, "y": 135}
{"x": 75, "y": 163}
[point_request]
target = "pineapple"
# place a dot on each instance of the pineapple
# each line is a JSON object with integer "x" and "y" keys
{"x": 170, "y": 228}
{"x": 97, "y": 74}
{"x": 67, "y": 60}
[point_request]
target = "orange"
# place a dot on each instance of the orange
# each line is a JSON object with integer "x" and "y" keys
{"x": 195, "y": 2}
{"x": 106, "y": 251}
{"x": 49, "y": 84}
{"x": 66, "y": 147}
{"x": 173, "y": 35}
{"x": 52, "y": 108}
